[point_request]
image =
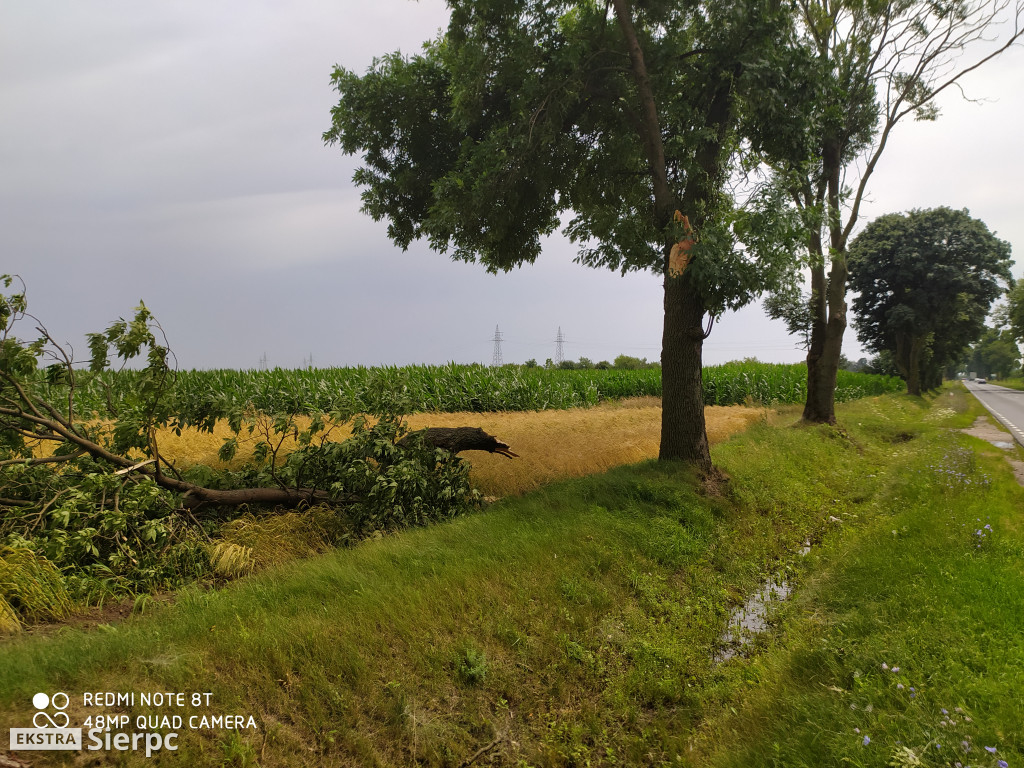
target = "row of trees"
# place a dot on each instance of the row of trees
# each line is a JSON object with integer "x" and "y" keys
{"x": 621, "y": 363}
{"x": 925, "y": 283}
{"x": 708, "y": 142}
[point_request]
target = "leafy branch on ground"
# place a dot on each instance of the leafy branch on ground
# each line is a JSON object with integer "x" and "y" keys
{"x": 93, "y": 496}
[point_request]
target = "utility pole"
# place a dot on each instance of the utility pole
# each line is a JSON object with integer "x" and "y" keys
{"x": 496, "y": 357}
{"x": 559, "y": 340}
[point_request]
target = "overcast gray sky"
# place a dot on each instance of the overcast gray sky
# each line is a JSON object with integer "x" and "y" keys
{"x": 171, "y": 152}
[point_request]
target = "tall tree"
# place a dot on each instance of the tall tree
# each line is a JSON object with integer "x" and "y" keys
{"x": 879, "y": 62}
{"x": 925, "y": 283}
{"x": 624, "y": 118}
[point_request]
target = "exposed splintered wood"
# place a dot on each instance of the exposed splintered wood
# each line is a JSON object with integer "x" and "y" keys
{"x": 679, "y": 257}
{"x": 458, "y": 439}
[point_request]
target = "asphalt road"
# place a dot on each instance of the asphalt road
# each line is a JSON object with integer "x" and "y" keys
{"x": 1005, "y": 404}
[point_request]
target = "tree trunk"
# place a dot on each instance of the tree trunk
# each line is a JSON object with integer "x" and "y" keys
{"x": 829, "y": 298}
{"x": 909, "y": 350}
{"x": 683, "y": 430}
{"x": 683, "y": 433}
{"x": 458, "y": 439}
{"x": 826, "y": 341}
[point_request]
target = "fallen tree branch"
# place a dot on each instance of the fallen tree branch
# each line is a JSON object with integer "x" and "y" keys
{"x": 16, "y": 502}
{"x": 28, "y": 414}
{"x": 56, "y": 459}
{"x": 453, "y": 439}
{"x": 458, "y": 439}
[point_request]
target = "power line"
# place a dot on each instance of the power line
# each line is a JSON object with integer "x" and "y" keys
{"x": 496, "y": 357}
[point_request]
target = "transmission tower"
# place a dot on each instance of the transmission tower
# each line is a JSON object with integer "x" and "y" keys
{"x": 496, "y": 357}
{"x": 559, "y": 340}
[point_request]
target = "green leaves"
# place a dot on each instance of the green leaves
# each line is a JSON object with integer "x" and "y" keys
{"x": 753, "y": 249}
{"x": 109, "y": 534}
{"x": 926, "y": 280}
{"x": 128, "y": 338}
{"x": 397, "y": 116}
{"x": 524, "y": 111}
{"x": 12, "y": 305}
{"x": 1015, "y": 309}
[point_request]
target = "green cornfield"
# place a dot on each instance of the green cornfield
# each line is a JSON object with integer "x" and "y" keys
{"x": 201, "y": 395}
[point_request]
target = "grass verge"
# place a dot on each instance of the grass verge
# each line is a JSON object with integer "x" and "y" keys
{"x": 1017, "y": 383}
{"x": 577, "y": 625}
{"x": 903, "y": 647}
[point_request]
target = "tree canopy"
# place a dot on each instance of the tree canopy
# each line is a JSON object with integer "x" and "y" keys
{"x": 602, "y": 119}
{"x": 925, "y": 282}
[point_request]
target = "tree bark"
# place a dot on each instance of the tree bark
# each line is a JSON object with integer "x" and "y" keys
{"x": 909, "y": 350}
{"x": 826, "y": 341}
{"x": 828, "y": 296}
{"x": 683, "y": 429}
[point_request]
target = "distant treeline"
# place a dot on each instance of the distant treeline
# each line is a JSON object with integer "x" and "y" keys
{"x": 621, "y": 363}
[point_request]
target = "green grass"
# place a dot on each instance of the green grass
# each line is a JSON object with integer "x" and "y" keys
{"x": 1011, "y": 383}
{"x": 904, "y": 645}
{"x": 576, "y": 626}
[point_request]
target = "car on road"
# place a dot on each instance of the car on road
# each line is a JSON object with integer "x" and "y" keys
{"x": 981, "y": 381}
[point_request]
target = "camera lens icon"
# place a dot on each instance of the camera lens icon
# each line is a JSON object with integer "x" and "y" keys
{"x": 59, "y": 701}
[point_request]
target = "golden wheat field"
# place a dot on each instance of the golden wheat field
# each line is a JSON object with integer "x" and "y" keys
{"x": 551, "y": 444}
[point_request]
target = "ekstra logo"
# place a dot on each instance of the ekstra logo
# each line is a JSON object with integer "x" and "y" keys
{"x": 51, "y": 730}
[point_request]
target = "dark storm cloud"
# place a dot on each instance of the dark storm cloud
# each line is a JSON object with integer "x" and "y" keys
{"x": 172, "y": 152}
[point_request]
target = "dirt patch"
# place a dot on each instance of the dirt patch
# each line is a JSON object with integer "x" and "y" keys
{"x": 110, "y": 613}
{"x": 984, "y": 429}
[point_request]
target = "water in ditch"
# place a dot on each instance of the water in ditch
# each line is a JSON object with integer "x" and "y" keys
{"x": 749, "y": 620}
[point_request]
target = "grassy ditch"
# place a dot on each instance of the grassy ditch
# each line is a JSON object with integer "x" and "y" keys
{"x": 577, "y": 625}
{"x": 904, "y": 646}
